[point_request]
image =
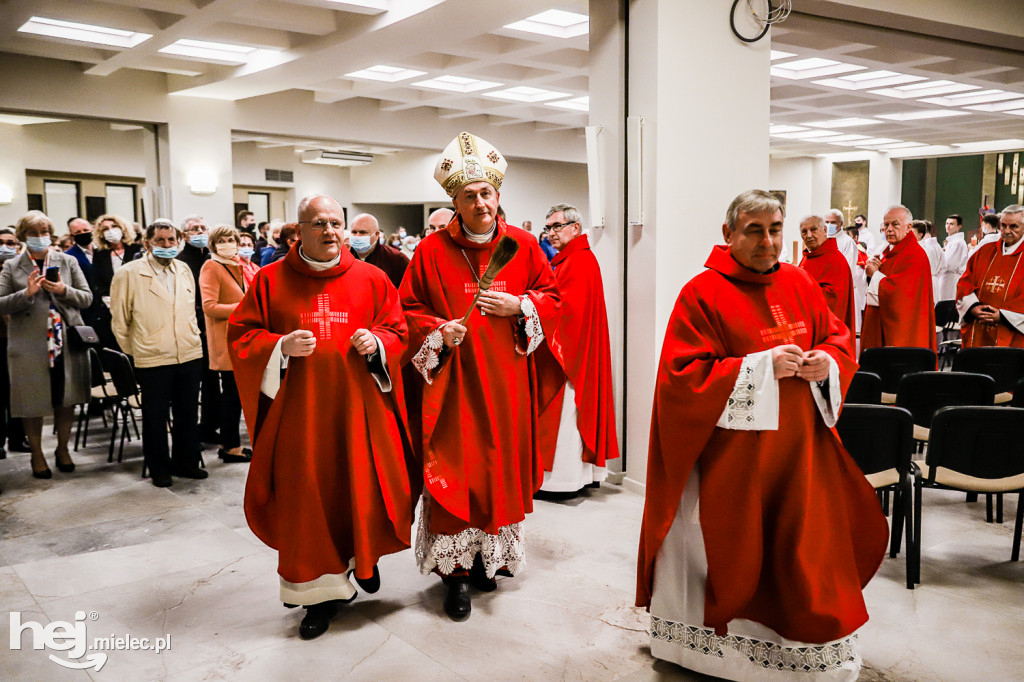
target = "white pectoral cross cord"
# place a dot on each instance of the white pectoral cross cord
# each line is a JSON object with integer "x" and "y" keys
{"x": 323, "y": 317}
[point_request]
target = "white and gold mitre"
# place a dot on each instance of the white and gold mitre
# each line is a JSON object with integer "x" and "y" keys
{"x": 468, "y": 159}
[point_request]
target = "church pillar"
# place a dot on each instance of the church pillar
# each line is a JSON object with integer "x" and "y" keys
{"x": 885, "y": 185}
{"x": 195, "y": 149}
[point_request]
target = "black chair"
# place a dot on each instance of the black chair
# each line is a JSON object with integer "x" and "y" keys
{"x": 865, "y": 389}
{"x": 892, "y": 362}
{"x": 125, "y": 398}
{"x": 924, "y": 393}
{"x": 974, "y": 449}
{"x": 879, "y": 438}
{"x": 1005, "y": 365}
{"x": 947, "y": 330}
{"x": 99, "y": 399}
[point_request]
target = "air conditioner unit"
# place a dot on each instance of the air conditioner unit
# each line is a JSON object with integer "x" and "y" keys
{"x": 322, "y": 156}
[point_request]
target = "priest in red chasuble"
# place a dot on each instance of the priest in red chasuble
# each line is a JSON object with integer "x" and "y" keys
{"x": 827, "y": 265}
{"x": 316, "y": 346}
{"x": 900, "y": 310}
{"x": 483, "y": 384}
{"x": 759, "y": 529}
{"x": 581, "y": 421}
{"x": 990, "y": 295}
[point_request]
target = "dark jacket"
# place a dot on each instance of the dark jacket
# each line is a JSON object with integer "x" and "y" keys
{"x": 103, "y": 267}
{"x": 195, "y": 258}
{"x": 389, "y": 259}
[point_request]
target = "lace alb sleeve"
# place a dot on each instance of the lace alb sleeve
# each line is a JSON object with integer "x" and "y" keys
{"x": 753, "y": 404}
{"x": 531, "y": 326}
{"x": 429, "y": 355}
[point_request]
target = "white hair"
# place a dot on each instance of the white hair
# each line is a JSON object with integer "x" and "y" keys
{"x": 900, "y": 207}
{"x": 837, "y": 213}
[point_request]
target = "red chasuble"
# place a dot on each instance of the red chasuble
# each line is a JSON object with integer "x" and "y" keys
{"x": 328, "y": 478}
{"x": 829, "y": 268}
{"x": 582, "y": 335}
{"x": 905, "y": 314}
{"x": 479, "y": 431}
{"x": 792, "y": 530}
{"x": 998, "y": 281}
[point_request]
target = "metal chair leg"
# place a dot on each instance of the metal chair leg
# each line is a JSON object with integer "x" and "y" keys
{"x": 898, "y": 519}
{"x": 999, "y": 507}
{"x": 1015, "y": 555}
{"x": 917, "y": 531}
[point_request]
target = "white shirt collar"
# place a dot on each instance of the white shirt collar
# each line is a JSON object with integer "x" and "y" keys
{"x": 318, "y": 265}
{"x": 959, "y": 236}
{"x": 1011, "y": 250}
{"x": 480, "y": 238}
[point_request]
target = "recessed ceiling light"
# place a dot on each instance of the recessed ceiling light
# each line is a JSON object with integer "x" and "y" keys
{"x": 574, "y": 104}
{"x": 779, "y": 54}
{"x": 874, "y": 142}
{"x": 526, "y": 94}
{"x": 17, "y": 120}
{"x": 845, "y": 123}
{"x": 83, "y": 33}
{"x": 457, "y": 84}
{"x": 202, "y": 49}
{"x": 1000, "y": 106}
{"x": 925, "y": 89}
{"x": 388, "y": 74}
{"x": 813, "y": 67}
{"x": 846, "y": 138}
{"x": 869, "y": 79}
{"x": 775, "y": 129}
{"x": 555, "y": 23}
{"x": 807, "y": 134}
{"x": 922, "y": 114}
{"x": 966, "y": 98}
{"x": 899, "y": 145}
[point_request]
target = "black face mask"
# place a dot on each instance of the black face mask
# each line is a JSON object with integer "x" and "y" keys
{"x": 83, "y": 239}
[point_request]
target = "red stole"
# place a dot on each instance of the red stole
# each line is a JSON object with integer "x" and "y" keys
{"x": 828, "y": 266}
{"x": 792, "y": 530}
{"x": 905, "y": 314}
{"x": 583, "y": 336}
{"x": 479, "y": 425}
{"x": 328, "y": 478}
{"x": 998, "y": 281}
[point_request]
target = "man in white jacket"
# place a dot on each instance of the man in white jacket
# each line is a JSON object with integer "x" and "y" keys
{"x": 954, "y": 259}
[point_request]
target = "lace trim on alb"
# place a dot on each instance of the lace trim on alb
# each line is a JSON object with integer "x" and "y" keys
{"x": 740, "y": 407}
{"x": 448, "y": 552}
{"x": 427, "y": 357}
{"x": 817, "y": 658}
{"x": 534, "y": 330}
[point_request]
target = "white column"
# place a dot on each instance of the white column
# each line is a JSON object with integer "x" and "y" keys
{"x": 12, "y": 174}
{"x": 885, "y": 186}
{"x": 198, "y": 149}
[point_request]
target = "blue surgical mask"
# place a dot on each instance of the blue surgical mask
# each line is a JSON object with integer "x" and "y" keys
{"x": 166, "y": 252}
{"x": 7, "y": 252}
{"x": 199, "y": 240}
{"x": 38, "y": 244}
{"x": 246, "y": 252}
{"x": 832, "y": 229}
{"x": 361, "y": 243}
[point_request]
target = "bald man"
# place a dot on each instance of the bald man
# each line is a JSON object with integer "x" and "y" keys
{"x": 366, "y": 245}
{"x": 438, "y": 220}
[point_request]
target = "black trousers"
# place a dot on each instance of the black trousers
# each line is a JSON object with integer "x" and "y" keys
{"x": 210, "y": 398}
{"x": 230, "y": 412}
{"x": 165, "y": 389}
{"x": 11, "y": 429}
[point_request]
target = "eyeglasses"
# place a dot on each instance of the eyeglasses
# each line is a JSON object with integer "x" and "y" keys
{"x": 323, "y": 224}
{"x": 557, "y": 226}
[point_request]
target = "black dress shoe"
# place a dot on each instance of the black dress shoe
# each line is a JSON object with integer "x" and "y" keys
{"x": 371, "y": 584}
{"x": 193, "y": 472}
{"x": 478, "y": 576}
{"x": 163, "y": 480}
{"x": 457, "y": 603}
{"x": 229, "y": 458}
{"x": 316, "y": 620}
{"x": 45, "y": 473}
{"x": 3, "y": 453}
{"x": 556, "y": 496}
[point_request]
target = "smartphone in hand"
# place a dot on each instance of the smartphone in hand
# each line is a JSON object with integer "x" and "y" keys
{"x": 53, "y": 274}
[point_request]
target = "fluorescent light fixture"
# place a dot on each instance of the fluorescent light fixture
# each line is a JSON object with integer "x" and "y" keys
{"x": 807, "y": 134}
{"x": 555, "y": 23}
{"x": 991, "y": 145}
{"x": 846, "y": 138}
{"x": 574, "y": 104}
{"x": 777, "y": 129}
{"x": 779, "y": 54}
{"x": 813, "y": 67}
{"x": 330, "y": 158}
{"x": 869, "y": 79}
{"x": 202, "y": 181}
{"x": 922, "y": 114}
{"x": 201, "y": 49}
{"x": 844, "y": 123}
{"x": 925, "y": 89}
{"x": 457, "y": 84}
{"x": 526, "y": 94}
{"x": 963, "y": 99}
{"x": 876, "y": 142}
{"x": 999, "y": 106}
{"x": 900, "y": 145}
{"x": 83, "y": 33}
{"x": 388, "y": 74}
{"x": 18, "y": 120}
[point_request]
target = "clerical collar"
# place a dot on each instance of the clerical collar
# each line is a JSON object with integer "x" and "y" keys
{"x": 318, "y": 265}
{"x": 480, "y": 238}
{"x": 1011, "y": 250}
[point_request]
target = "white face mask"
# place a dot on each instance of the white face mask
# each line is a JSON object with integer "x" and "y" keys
{"x": 832, "y": 229}
{"x": 227, "y": 250}
{"x": 113, "y": 235}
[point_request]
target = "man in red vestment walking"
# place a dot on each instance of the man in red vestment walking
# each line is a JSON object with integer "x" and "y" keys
{"x": 990, "y": 295}
{"x": 827, "y": 265}
{"x": 581, "y": 421}
{"x": 900, "y": 310}
{"x": 316, "y": 346}
{"x": 759, "y": 529}
{"x": 484, "y": 384}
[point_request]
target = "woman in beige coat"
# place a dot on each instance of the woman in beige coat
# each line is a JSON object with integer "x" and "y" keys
{"x": 222, "y": 285}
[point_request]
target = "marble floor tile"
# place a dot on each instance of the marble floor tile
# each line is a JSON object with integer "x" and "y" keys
{"x": 14, "y": 596}
{"x": 28, "y": 663}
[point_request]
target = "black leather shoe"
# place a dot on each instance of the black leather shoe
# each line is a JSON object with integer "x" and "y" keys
{"x": 316, "y": 620}
{"x": 371, "y": 584}
{"x": 552, "y": 496}
{"x": 457, "y": 604}
{"x": 478, "y": 576}
{"x": 45, "y": 473}
{"x": 229, "y": 458}
{"x": 194, "y": 472}
{"x": 163, "y": 481}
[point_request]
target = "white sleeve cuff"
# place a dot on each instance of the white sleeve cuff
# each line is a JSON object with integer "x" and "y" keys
{"x": 429, "y": 355}
{"x": 534, "y": 330}
{"x": 754, "y": 402}
{"x": 829, "y": 408}
{"x": 271, "y": 383}
{"x": 1016, "y": 320}
{"x": 380, "y": 373}
{"x": 872, "y": 290}
{"x": 965, "y": 304}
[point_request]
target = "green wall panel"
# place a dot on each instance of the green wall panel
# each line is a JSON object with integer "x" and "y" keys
{"x": 958, "y": 189}
{"x": 913, "y": 188}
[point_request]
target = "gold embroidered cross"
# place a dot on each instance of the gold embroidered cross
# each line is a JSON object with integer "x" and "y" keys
{"x": 996, "y": 284}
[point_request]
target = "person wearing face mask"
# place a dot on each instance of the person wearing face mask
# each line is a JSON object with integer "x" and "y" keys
{"x": 194, "y": 253}
{"x": 246, "y": 256}
{"x": 113, "y": 242}
{"x": 266, "y": 252}
{"x": 834, "y": 230}
{"x": 222, "y": 284}
{"x": 367, "y": 246}
{"x": 154, "y": 319}
{"x": 12, "y": 432}
{"x": 48, "y": 375}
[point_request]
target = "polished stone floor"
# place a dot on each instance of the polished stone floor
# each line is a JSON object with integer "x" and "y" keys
{"x": 150, "y": 562}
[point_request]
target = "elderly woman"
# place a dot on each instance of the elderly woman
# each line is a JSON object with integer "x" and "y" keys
{"x": 43, "y": 292}
{"x": 246, "y": 253}
{"x": 222, "y": 283}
